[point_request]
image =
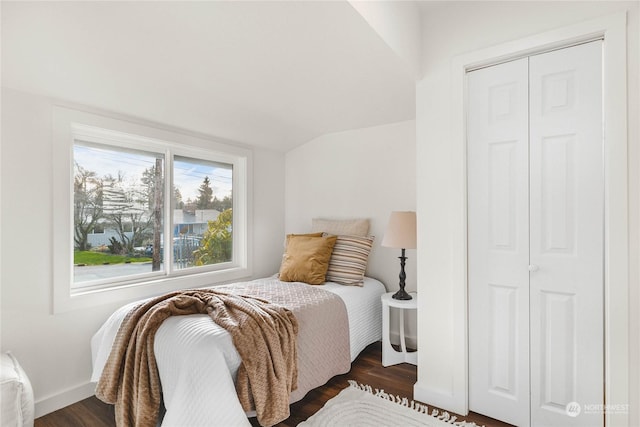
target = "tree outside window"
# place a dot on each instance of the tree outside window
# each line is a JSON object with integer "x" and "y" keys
{"x": 119, "y": 209}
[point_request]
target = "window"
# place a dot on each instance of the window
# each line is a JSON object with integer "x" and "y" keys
{"x": 203, "y": 206}
{"x": 143, "y": 214}
{"x": 122, "y": 191}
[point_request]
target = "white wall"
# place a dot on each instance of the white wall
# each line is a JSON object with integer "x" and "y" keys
{"x": 398, "y": 24}
{"x": 54, "y": 349}
{"x": 451, "y": 29}
{"x": 362, "y": 173}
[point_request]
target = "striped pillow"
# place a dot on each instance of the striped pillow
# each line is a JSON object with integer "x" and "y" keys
{"x": 349, "y": 260}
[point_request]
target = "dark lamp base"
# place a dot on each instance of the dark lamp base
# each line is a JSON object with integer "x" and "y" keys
{"x": 401, "y": 295}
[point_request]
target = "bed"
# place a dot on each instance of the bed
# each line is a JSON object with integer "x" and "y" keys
{"x": 197, "y": 360}
{"x": 322, "y": 284}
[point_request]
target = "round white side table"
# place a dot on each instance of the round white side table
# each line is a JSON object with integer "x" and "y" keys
{"x": 391, "y": 356}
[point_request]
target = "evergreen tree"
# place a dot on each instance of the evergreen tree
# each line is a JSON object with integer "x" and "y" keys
{"x": 177, "y": 198}
{"x": 222, "y": 205}
{"x": 206, "y": 195}
{"x": 227, "y": 203}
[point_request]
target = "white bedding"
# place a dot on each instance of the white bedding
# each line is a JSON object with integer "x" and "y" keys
{"x": 197, "y": 361}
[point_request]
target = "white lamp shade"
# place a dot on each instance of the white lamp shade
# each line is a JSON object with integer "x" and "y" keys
{"x": 401, "y": 231}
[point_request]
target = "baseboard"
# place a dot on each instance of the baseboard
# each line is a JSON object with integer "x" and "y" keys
{"x": 412, "y": 342}
{"x": 67, "y": 397}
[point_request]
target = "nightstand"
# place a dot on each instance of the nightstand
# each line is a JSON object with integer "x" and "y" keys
{"x": 391, "y": 356}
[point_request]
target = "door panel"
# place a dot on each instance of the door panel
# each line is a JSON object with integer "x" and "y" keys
{"x": 558, "y": 327}
{"x": 502, "y": 195}
{"x": 503, "y": 339}
{"x": 567, "y": 234}
{"x": 557, "y": 206}
{"x": 498, "y": 242}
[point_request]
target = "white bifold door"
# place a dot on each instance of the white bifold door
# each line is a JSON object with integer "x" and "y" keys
{"x": 536, "y": 238}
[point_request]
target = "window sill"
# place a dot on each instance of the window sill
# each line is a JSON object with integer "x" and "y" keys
{"x": 86, "y": 298}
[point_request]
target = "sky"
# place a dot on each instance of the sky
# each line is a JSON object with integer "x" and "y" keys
{"x": 188, "y": 173}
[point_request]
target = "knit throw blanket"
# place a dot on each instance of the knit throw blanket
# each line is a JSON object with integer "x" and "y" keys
{"x": 264, "y": 335}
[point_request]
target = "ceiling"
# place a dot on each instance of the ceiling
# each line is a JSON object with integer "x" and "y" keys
{"x": 270, "y": 74}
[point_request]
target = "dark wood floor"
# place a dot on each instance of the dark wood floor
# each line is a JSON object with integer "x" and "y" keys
{"x": 367, "y": 369}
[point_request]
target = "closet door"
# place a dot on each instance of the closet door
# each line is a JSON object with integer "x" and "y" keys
{"x": 567, "y": 232}
{"x": 536, "y": 239}
{"x": 498, "y": 241}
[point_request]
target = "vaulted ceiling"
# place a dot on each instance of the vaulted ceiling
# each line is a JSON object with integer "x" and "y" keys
{"x": 271, "y": 74}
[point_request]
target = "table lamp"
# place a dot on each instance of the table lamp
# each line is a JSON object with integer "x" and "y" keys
{"x": 401, "y": 233}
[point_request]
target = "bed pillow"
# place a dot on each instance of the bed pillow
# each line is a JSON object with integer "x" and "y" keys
{"x": 286, "y": 239}
{"x": 341, "y": 227}
{"x": 349, "y": 260}
{"x": 306, "y": 259}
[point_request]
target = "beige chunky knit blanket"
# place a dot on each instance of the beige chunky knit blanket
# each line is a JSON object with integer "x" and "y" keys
{"x": 264, "y": 335}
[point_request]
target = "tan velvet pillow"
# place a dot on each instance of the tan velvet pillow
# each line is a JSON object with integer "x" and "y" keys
{"x": 286, "y": 239}
{"x": 306, "y": 259}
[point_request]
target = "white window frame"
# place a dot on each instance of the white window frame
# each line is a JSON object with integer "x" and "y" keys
{"x": 70, "y": 126}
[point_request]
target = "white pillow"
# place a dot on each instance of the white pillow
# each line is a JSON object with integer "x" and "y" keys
{"x": 345, "y": 227}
